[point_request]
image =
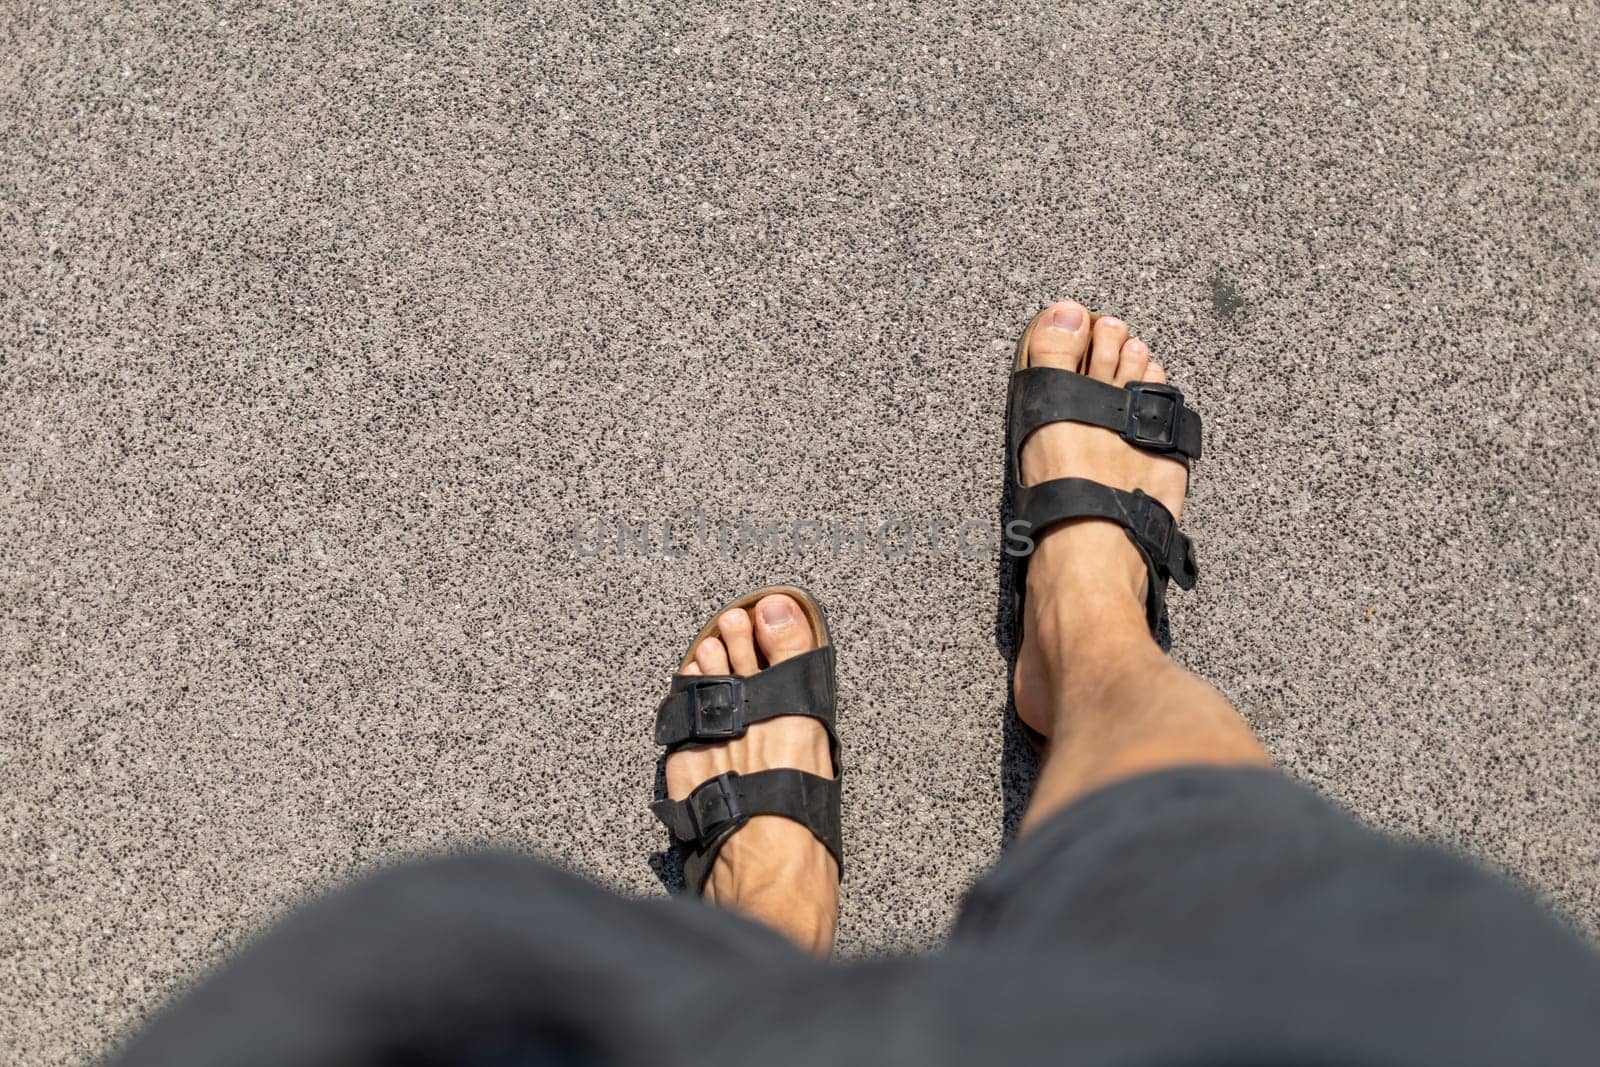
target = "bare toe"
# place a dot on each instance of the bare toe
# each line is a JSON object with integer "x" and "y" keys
{"x": 1061, "y": 337}
{"x": 712, "y": 656}
{"x": 781, "y": 628}
{"x": 1131, "y": 366}
{"x": 1109, "y": 335}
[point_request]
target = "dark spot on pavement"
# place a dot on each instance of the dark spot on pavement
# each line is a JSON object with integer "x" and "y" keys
{"x": 1226, "y": 301}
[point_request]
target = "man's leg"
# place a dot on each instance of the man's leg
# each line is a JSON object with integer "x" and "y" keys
{"x": 1172, "y": 899}
{"x": 1113, "y": 704}
{"x": 482, "y": 960}
{"x": 490, "y": 959}
{"x": 499, "y": 959}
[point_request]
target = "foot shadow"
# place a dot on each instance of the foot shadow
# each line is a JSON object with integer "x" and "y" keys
{"x": 667, "y": 863}
{"x": 1019, "y": 764}
{"x": 1019, "y": 773}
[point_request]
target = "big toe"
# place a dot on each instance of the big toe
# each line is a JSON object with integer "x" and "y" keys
{"x": 1061, "y": 336}
{"x": 781, "y": 628}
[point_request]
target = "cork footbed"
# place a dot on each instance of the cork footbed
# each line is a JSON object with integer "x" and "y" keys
{"x": 808, "y": 607}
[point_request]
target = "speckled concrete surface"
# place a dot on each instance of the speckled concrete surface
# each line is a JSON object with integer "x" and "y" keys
{"x": 321, "y": 327}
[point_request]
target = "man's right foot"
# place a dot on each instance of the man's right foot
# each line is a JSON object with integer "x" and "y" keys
{"x": 1086, "y": 582}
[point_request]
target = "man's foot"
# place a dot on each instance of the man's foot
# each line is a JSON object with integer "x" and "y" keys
{"x": 773, "y": 869}
{"x": 1086, "y": 583}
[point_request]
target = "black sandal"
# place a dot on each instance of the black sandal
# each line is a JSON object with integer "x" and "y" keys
{"x": 1148, "y": 416}
{"x": 705, "y": 709}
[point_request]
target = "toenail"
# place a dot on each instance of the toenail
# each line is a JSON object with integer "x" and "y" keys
{"x": 1067, "y": 317}
{"x": 1110, "y": 323}
{"x": 777, "y": 614}
{"x": 1137, "y": 348}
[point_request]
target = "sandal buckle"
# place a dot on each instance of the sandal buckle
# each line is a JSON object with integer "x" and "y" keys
{"x": 716, "y": 708}
{"x": 1152, "y": 518}
{"x": 1155, "y": 412}
{"x": 714, "y": 804}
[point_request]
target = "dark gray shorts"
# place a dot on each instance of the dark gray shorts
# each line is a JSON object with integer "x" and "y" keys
{"x": 1198, "y": 916}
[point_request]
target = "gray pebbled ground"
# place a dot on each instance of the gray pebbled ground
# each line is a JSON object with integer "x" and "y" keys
{"x": 321, "y": 328}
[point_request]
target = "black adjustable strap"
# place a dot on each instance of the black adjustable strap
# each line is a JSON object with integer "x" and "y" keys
{"x": 707, "y": 708}
{"x": 1154, "y": 532}
{"x": 717, "y": 808}
{"x": 1150, "y": 416}
{"x": 1148, "y": 522}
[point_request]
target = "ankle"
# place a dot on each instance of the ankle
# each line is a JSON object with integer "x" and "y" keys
{"x": 807, "y": 918}
{"x": 1093, "y": 563}
{"x": 775, "y": 872}
{"x": 1080, "y": 622}
{"x": 1083, "y": 612}
{"x": 1091, "y": 638}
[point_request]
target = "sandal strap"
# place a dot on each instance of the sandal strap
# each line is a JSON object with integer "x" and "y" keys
{"x": 707, "y": 708}
{"x": 718, "y": 807}
{"x": 1166, "y": 550}
{"x": 1147, "y": 415}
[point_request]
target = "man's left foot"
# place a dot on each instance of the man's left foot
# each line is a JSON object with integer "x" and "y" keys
{"x": 773, "y": 869}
